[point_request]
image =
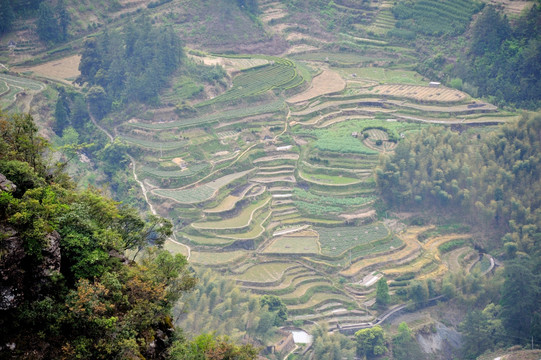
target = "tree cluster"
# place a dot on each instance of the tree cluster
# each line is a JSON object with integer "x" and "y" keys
{"x": 492, "y": 181}
{"x": 504, "y": 61}
{"x": 131, "y": 65}
{"x": 218, "y": 305}
{"x": 70, "y": 290}
{"x": 53, "y": 22}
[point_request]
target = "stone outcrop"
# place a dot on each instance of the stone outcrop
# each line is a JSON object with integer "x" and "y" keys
{"x": 23, "y": 277}
{"x": 6, "y": 185}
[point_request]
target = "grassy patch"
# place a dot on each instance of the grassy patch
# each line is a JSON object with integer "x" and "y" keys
{"x": 324, "y": 179}
{"x": 216, "y": 258}
{"x": 383, "y": 75}
{"x": 168, "y": 174}
{"x": 451, "y": 245}
{"x": 239, "y": 113}
{"x": 266, "y": 272}
{"x": 334, "y": 241}
{"x": 293, "y": 245}
{"x": 252, "y": 233}
{"x": 202, "y": 192}
{"x": 243, "y": 219}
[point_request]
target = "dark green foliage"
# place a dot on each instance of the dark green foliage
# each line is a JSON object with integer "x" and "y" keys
{"x": 433, "y": 17}
{"x": 520, "y": 301}
{"x": 61, "y": 113}
{"x": 504, "y": 61}
{"x": 93, "y": 304}
{"x": 248, "y": 5}
{"x": 451, "y": 245}
{"x": 370, "y": 342}
{"x": 19, "y": 140}
{"x": 418, "y": 294}
{"x": 332, "y": 346}
{"x": 211, "y": 347}
{"x": 130, "y": 65}
{"x": 154, "y": 4}
{"x": 491, "y": 181}
{"x": 52, "y": 24}
{"x": 404, "y": 345}
{"x": 99, "y": 103}
{"x": 6, "y": 16}
{"x": 275, "y": 305}
{"x": 482, "y": 331}
{"x": 382, "y": 293}
{"x": 218, "y": 305}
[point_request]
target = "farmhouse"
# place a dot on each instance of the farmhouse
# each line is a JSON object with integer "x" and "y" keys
{"x": 434, "y": 84}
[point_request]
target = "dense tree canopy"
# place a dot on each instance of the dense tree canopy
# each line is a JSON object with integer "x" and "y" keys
{"x": 68, "y": 291}
{"x": 504, "y": 61}
{"x": 491, "y": 181}
{"x": 130, "y": 65}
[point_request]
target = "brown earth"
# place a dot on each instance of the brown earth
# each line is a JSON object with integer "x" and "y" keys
{"x": 61, "y": 70}
{"x": 325, "y": 83}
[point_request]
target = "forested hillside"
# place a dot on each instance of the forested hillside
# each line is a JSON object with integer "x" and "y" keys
{"x": 490, "y": 181}
{"x": 67, "y": 289}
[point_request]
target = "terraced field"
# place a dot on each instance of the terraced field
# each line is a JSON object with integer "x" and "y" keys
{"x": 272, "y": 181}
{"x": 18, "y": 91}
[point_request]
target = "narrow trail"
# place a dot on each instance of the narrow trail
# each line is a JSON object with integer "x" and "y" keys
{"x": 111, "y": 138}
{"x": 285, "y": 125}
{"x": 143, "y": 189}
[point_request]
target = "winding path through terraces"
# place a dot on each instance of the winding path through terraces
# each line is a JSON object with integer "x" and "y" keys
{"x": 143, "y": 189}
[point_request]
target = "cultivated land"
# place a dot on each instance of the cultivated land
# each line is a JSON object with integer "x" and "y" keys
{"x": 271, "y": 181}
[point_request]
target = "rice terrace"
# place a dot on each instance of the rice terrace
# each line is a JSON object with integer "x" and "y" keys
{"x": 268, "y": 174}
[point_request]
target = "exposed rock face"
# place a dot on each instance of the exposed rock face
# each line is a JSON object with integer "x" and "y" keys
{"x": 442, "y": 344}
{"x": 6, "y": 185}
{"x": 11, "y": 273}
{"x": 20, "y": 277}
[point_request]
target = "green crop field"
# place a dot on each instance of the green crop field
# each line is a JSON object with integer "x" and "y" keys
{"x": 252, "y": 233}
{"x": 342, "y": 58}
{"x": 338, "y": 138}
{"x": 265, "y": 272}
{"x": 168, "y": 174}
{"x": 216, "y": 258}
{"x": 24, "y": 83}
{"x": 175, "y": 248}
{"x": 154, "y": 145}
{"x": 434, "y": 17}
{"x": 334, "y": 241}
{"x": 270, "y": 107}
{"x": 188, "y": 196}
{"x": 12, "y": 85}
{"x": 318, "y": 299}
{"x": 201, "y": 239}
{"x": 241, "y": 220}
{"x": 382, "y": 75}
{"x": 279, "y": 74}
{"x": 324, "y": 179}
{"x": 294, "y": 245}
{"x": 200, "y": 193}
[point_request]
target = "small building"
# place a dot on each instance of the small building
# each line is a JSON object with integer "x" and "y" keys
{"x": 355, "y": 134}
{"x": 434, "y": 84}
